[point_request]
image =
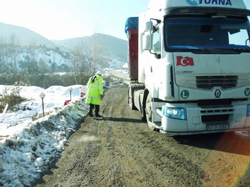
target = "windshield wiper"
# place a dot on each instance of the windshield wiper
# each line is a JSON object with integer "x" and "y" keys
{"x": 216, "y": 51}
{"x": 202, "y": 51}
{"x": 234, "y": 50}
{"x": 212, "y": 49}
{"x": 220, "y": 50}
{"x": 196, "y": 50}
{"x": 242, "y": 49}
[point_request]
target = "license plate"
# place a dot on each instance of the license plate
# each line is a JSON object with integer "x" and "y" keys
{"x": 217, "y": 127}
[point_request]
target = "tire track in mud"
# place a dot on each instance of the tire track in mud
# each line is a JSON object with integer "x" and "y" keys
{"x": 167, "y": 155}
{"x": 110, "y": 163}
{"x": 170, "y": 166}
{"x": 120, "y": 150}
{"x": 146, "y": 164}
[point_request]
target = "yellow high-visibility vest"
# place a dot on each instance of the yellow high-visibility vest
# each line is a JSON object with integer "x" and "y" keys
{"x": 95, "y": 90}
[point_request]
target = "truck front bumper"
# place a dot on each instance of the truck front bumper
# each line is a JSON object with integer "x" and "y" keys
{"x": 205, "y": 120}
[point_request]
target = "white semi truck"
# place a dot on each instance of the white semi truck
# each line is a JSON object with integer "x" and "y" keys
{"x": 189, "y": 66}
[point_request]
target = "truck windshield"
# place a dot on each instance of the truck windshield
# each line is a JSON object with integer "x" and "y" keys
{"x": 201, "y": 33}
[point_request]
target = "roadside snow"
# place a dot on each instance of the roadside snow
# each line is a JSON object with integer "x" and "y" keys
{"x": 27, "y": 147}
{"x": 55, "y": 96}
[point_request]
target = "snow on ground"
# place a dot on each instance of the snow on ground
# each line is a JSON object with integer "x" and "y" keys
{"x": 28, "y": 146}
{"x": 55, "y": 96}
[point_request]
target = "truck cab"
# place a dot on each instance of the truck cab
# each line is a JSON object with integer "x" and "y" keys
{"x": 193, "y": 66}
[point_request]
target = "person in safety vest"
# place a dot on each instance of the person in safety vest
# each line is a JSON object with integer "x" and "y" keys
{"x": 95, "y": 93}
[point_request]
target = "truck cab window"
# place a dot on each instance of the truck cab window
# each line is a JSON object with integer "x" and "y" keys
{"x": 237, "y": 37}
{"x": 198, "y": 33}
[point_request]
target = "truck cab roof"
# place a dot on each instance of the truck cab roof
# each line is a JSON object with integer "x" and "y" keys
{"x": 225, "y": 7}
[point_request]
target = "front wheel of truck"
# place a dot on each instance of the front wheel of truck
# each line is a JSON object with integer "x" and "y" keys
{"x": 148, "y": 111}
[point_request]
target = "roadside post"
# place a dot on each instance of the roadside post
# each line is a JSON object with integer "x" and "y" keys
{"x": 70, "y": 90}
{"x": 42, "y": 95}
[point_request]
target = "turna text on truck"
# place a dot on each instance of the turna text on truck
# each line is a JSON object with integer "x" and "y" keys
{"x": 189, "y": 66}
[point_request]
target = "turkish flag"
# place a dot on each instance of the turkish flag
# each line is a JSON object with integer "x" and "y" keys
{"x": 185, "y": 61}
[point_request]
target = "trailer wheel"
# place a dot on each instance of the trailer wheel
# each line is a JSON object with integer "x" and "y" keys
{"x": 148, "y": 111}
{"x": 130, "y": 99}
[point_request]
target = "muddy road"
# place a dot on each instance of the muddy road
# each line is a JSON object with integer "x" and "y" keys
{"x": 120, "y": 150}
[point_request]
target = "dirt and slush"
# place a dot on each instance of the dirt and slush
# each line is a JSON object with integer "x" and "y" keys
{"x": 120, "y": 150}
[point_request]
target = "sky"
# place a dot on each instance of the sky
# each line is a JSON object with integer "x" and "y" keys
{"x": 63, "y": 19}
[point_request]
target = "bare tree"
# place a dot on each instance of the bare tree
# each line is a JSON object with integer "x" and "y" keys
{"x": 53, "y": 65}
{"x": 93, "y": 50}
{"x": 14, "y": 40}
{"x": 77, "y": 59}
{"x": 43, "y": 69}
{"x": 33, "y": 42}
{"x": 13, "y": 48}
{"x": 32, "y": 64}
{"x": 3, "y": 40}
{"x": 3, "y": 53}
{"x": 86, "y": 55}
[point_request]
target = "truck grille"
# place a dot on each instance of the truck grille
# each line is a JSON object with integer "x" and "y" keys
{"x": 214, "y": 118}
{"x": 208, "y": 82}
{"x": 216, "y": 114}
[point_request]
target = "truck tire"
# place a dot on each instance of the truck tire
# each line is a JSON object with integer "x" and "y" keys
{"x": 130, "y": 99}
{"x": 148, "y": 111}
{"x": 131, "y": 89}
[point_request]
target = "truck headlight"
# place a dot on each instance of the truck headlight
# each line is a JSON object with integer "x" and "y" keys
{"x": 176, "y": 113}
{"x": 248, "y": 110}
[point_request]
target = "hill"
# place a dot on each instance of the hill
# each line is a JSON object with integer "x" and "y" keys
{"x": 112, "y": 46}
{"x": 26, "y": 49}
{"x": 23, "y": 36}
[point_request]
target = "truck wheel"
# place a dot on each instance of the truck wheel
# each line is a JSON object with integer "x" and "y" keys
{"x": 148, "y": 111}
{"x": 130, "y": 99}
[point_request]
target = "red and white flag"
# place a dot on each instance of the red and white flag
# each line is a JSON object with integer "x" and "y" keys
{"x": 185, "y": 61}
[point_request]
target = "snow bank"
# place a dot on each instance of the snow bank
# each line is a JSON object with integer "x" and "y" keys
{"x": 32, "y": 108}
{"x": 29, "y": 152}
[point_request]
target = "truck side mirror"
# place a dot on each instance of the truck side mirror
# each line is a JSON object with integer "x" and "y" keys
{"x": 147, "y": 37}
{"x": 149, "y": 26}
{"x": 147, "y": 41}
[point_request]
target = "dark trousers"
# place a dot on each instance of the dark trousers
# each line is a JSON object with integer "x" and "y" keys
{"x": 97, "y": 108}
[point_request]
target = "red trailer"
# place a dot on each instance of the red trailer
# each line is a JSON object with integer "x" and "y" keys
{"x": 133, "y": 54}
{"x": 131, "y": 29}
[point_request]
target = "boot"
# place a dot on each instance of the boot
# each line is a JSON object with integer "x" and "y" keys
{"x": 98, "y": 115}
{"x": 90, "y": 114}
